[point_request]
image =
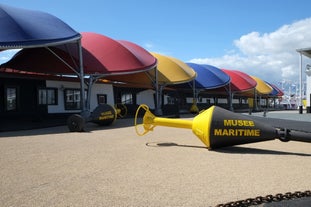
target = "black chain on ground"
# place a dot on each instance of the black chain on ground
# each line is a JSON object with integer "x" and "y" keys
{"x": 267, "y": 199}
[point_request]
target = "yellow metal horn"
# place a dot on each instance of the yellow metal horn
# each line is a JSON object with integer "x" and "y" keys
{"x": 150, "y": 121}
{"x": 197, "y": 125}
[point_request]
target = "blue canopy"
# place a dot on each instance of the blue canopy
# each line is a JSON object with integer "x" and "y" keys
{"x": 216, "y": 77}
{"x": 275, "y": 90}
{"x": 209, "y": 77}
{"x": 21, "y": 28}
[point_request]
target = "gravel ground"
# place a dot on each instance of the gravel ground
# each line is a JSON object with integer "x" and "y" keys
{"x": 112, "y": 166}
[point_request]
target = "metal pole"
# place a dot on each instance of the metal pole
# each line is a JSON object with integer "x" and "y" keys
{"x": 194, "y": 89}
{"x": 255, "y": 100}
{"x": 300, "y": 84}
{"x": 158, "y": 110}
{"x": 84, "y": 111}
{"x": 230, "y": 98}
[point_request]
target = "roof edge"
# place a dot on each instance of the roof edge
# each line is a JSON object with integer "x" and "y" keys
{"x": 43, "y": 43}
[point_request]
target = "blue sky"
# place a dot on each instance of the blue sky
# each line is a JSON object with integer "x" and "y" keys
{"x": 232, "y": 34}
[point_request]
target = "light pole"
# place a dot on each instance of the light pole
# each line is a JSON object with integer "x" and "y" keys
{"x": 308, "y": 73}
{"x": 300, "y": 85}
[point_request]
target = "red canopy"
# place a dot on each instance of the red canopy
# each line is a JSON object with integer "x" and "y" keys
{"x": 240, "y": 81}
{"x": 101, "y": 55}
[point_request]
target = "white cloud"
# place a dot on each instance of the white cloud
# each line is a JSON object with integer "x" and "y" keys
{"x": 269, "y": 56}
{"x": 6, "y": 55}
{"x": 148, "y": 45}
{"x": 151, "y": 47}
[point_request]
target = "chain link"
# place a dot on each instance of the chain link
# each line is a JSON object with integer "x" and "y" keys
{"x": 267, "y": 199}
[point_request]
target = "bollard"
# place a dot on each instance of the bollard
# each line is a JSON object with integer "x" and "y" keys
{"x": 300, "y": 110}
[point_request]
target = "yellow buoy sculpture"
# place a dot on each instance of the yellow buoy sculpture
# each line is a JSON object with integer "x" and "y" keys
{"x": 217, "y": 127}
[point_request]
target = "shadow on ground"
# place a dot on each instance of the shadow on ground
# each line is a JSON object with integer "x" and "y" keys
{"x": 229, "y": 150}
{"x": 20, "y": 128}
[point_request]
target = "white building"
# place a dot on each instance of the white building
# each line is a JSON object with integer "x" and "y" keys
{"x": 305, "y": 52}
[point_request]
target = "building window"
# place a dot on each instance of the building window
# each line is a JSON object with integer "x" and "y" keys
{"x": 127, "y": 98}
{"x": 170, "y": 100}
{"x": 73, "y": 99}
{"x": 47, "y": 96}
{"x": 11, "y": 98}
{"x": 101, "y": 99}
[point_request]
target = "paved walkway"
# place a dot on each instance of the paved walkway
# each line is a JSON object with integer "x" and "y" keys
{"x": 286, "y": 114}
{"x": 285, "y": 119}
{"x": 112, "y": 166}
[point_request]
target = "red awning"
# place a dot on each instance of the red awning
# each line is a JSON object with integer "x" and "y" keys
{"x": 240, "y": 81}
{"x": 101, "y": 55}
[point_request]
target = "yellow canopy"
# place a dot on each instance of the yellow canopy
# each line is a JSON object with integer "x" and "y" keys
{"x": 170, "y": 71}
{"x": 262, "y": 87}
{"x": 173, "y": 71}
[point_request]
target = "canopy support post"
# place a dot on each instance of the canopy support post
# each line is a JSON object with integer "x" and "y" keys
{"x": 89, "y": 92}
{"x": 230, "y": 98}
{"x": 257, "y": 100}
{"x": 158, "y": 109}
{"x": 85, "y": 113}
{"x": 195, "y": 93}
